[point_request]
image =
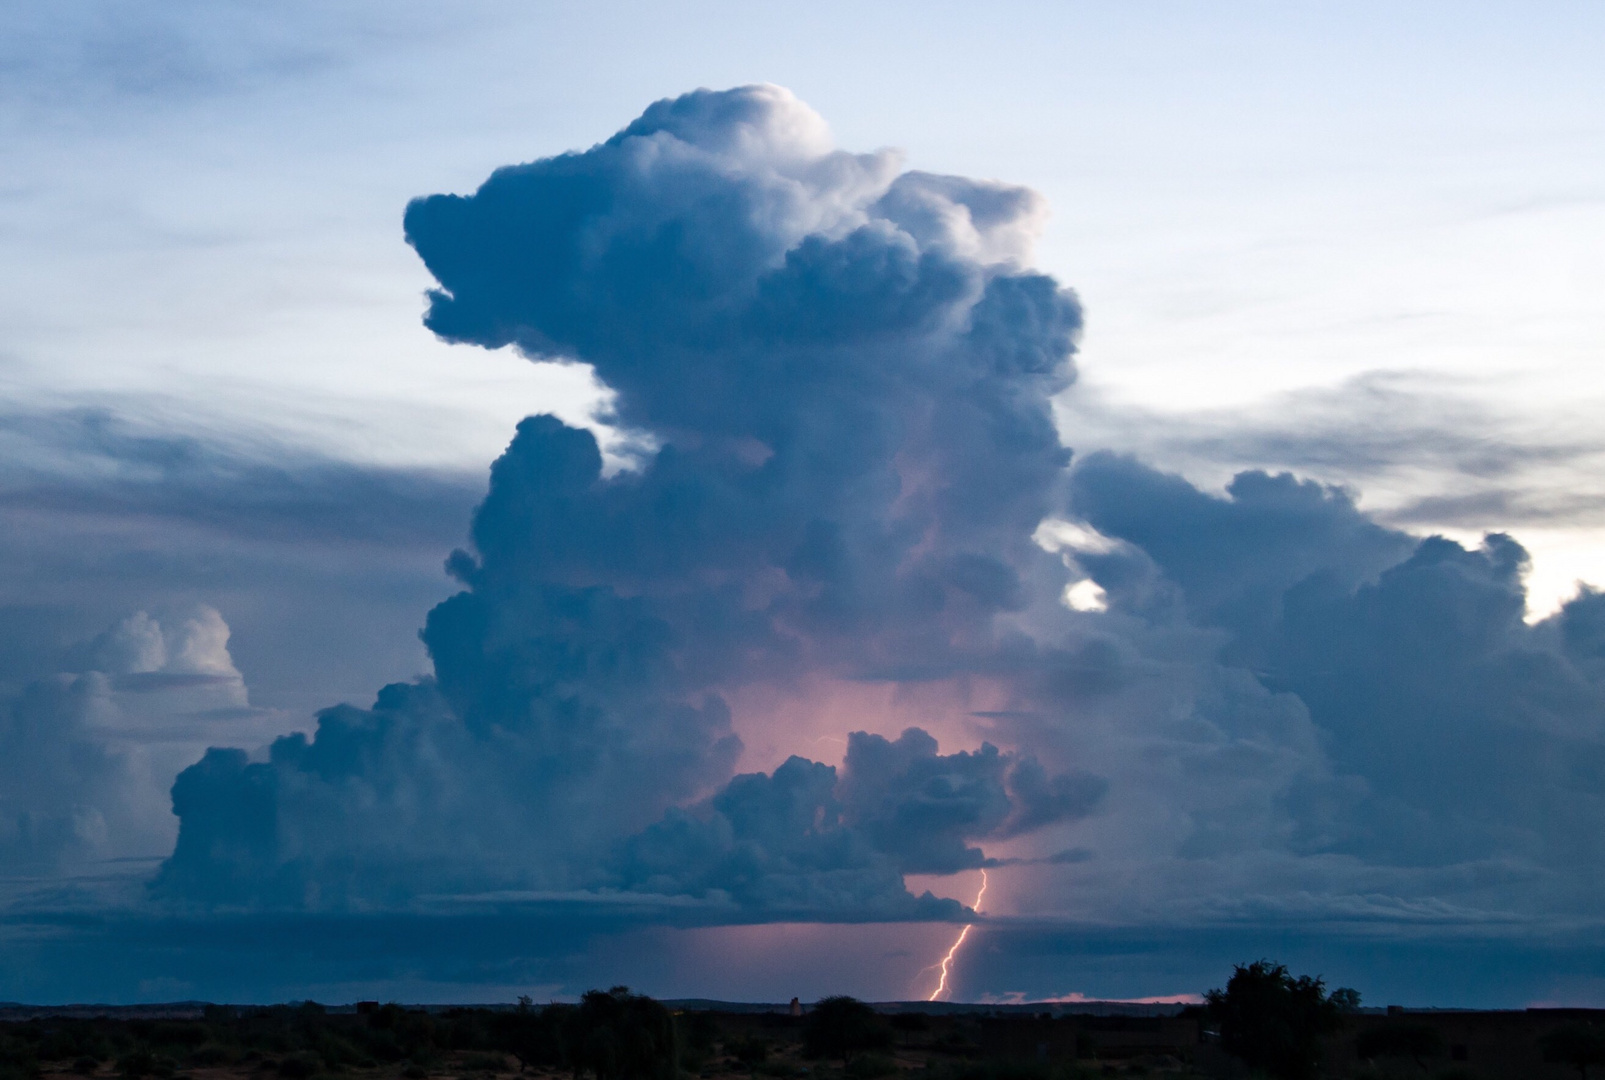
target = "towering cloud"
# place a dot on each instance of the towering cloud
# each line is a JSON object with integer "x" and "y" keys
{"x": 850, "y": 513}
{"x": 844, "y": 374}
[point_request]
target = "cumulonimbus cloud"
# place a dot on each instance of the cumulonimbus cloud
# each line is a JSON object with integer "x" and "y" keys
{"x": 846, "y": 370}
{"x": 842, "y": 377}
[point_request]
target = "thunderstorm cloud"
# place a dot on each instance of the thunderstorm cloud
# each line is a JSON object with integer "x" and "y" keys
{"x": 841, "y": 375}
{"x": 847, "y": 611}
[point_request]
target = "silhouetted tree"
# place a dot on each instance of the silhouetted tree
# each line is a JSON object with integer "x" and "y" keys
{"x": 840, "y": 1026}
{"x": 1345, "y": 999}
{"x": 533, "y": 1036}
{"x": 1272, "y": 1020}
{"x": 618, "y": 1035}
{"x": 1581, "y": 1045}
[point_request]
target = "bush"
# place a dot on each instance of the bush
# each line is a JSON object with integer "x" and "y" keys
{"x": 618, "y": 1035}
{"x": 1346, "y": 1000}
{"x": 533, "y": 1036}
{"x": 1273, "y": 1021}
{"x": 839, "y": 1027}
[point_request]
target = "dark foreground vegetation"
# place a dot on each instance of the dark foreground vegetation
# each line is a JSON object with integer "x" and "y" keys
{"x": 1264, "y": 1022}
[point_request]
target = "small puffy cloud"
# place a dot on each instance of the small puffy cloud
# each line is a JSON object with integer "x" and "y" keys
{"x": 86, "y": 756}
{"x": 136, "y": 645}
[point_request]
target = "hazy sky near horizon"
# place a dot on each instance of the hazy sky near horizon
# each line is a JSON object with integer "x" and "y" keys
{"x": 1364, "y": 245}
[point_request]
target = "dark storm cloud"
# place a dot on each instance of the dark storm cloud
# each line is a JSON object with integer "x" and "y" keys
{"x": 848, "y": 376}
{"x": 1477, "y": 735}
{"x": 1462, "y": 749}
{"x": 924, "y": 807}
{"x": 1233, "y": 558}
{"x": 778, "y": 844}
{"x": 844, "y": 376}
{"x": 1260, "y": 709}
{"x": 806, "y": 839}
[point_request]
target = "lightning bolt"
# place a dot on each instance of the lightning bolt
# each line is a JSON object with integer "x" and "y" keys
{"x": 947, "y": 961}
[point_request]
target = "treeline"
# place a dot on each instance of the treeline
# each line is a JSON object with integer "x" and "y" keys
{"x": 608, "y": 1035}
{"x": 611, "y": 1035}
{"x": 1282, "y": 1026}
{"x": 1277, "y": 1025}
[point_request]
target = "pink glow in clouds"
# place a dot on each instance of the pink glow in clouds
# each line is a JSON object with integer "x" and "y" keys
{"x": 774, "y": 962}
{"x": 1162, "y": 999}
{"x": 811, "y": 717}
{"x": 1019, "y": 998}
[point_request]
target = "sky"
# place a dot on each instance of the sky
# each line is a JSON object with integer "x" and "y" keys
{"x": 523, "y": 497}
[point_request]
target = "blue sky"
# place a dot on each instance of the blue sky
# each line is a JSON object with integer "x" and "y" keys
{"x": 1225, "y": 717}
